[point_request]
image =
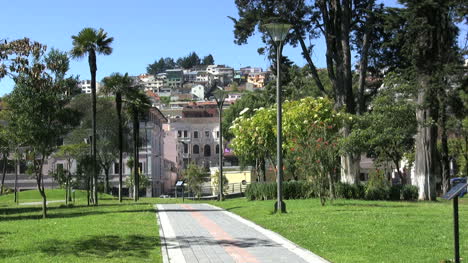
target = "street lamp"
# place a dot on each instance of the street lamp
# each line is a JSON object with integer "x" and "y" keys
{"x": 219, "y": 96}
{"x": 278, "y": 33}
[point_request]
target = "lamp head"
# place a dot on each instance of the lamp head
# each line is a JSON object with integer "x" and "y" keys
{"x": 277, "y": 31}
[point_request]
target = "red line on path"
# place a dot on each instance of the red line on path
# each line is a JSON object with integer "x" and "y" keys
{"x": 239, "y": 254}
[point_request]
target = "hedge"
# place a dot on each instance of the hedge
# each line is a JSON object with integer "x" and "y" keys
{"x": 303, "y": 189}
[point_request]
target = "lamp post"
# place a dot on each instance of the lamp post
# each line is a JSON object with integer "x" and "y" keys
{"x": 278, "y": 33}
{"x": 220, "y": 95}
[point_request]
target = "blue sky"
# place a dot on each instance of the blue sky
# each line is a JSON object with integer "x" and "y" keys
{"x": 143, "y": 31}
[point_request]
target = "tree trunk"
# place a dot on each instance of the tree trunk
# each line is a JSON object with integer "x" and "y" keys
{"x": 425, "y": 159}
{"x": 350, "y": 164}
{"x": 5, "y": 162}
{"x": 44, "y": 200}
{"x": 313, "y": 69}
{"x": 136, "y": 133}
{"x": 16, "y": 182}
{"x": 93, "y": 69}
{"x": 331, "y": 186}
{"x": 263, "y": 169}
{"x": 106, "y": 184}
{"x": 87, "y": 190}
{"x": 363, "y": 63}
{"x": 118, "y": 103}
{"x": 445, "y": 162}
{"x": 40, "y": 186}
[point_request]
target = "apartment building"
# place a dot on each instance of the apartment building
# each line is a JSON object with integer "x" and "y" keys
{"x": 198, "y": 139}
{"x": 85, "y": 86}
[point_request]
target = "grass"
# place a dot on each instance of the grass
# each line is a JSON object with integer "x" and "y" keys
{"x": 347, "y": 231}
{"x": 364, "y": 231}
{"x": 111, "y": 232}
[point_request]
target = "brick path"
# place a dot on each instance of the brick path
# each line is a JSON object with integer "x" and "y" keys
{"x": 204, "y": 233}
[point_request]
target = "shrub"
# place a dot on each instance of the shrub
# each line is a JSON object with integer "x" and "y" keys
{"x": 377, "y": 193}
{"x": 410, "y": 192}
{"x": 291, "y": 190}
{"x": 350, "y": 191}
{"x": 344, "y": 190}
{"x": 395, "y": 192}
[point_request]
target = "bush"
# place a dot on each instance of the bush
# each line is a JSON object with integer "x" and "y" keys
{"x": 350, "y": 191}
{"x": 377, "y": 193}
{"x": 291, "y": 190}
{"x": 410, "y": 192}
{"x": 303, "y": 189}
{"x": 395, "y": 192}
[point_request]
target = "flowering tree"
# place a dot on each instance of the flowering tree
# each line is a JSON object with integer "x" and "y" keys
{"x": 311, "y": 130}
{"x": 311, "y": 134}
{"x": 255, "y": 137}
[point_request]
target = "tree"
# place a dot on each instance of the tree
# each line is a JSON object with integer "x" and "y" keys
{"x": 70, "y": 152}
{"x": 338, "y": 21}
{"x": 107, "y": 130}
{"x": 254, "y": 139}
{"x": 215, "y": 179}
{"x": 387, "y": 131}
{"x": 311, "y": 128}
{"x": 194, "y": 177}
{"x": 189, "y": 61}
{"x": 143, "y": 180}
{"x": 38, "y": 116}
{"x": 91, "y": 42}
{"x": 120, "y": 86}
{"x": 138, "y": 104}
{"x": 5, "y": 151}
{"x": 430, "y": 44}
{"x": 208, "y": 60}
{"x": 160, "y": 66}
{"x": 251, "y": 100}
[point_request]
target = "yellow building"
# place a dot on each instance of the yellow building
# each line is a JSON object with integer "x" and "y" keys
{"x": 237, "y": 178}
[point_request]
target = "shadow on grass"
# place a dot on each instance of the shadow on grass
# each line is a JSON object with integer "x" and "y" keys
{"x": 393, "y": 205}
{"x": 110, "y": 246}
{"x": 232, "y": 208}
{"x": 5, "y": 253}
{"x": 12, "y": 214}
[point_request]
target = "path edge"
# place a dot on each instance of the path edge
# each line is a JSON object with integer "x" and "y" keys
{"x": 162, "y": 237}
{"x": 305, "y": 254}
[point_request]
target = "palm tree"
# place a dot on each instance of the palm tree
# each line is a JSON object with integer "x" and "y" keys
{"x": 120, "y": 86}
{"x": 138, "y": 103}
{"x": 90, "y": 41}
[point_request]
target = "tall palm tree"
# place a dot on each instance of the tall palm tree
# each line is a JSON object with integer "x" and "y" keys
{"x": 90, "y": 41}
{"x": 119, "y": 86}
{"x": 138, "y": 104}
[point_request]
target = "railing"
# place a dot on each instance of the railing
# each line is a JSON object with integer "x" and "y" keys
{"x": 235, "y": 189}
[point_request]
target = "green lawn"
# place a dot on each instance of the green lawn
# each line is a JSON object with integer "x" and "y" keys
{"x": 109, "y": 233}
{"x": 347, "y": 231}
{"x": 364, "y": 231}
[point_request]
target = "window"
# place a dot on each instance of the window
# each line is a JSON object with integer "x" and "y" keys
{"x": 185, "y": 148}
{"x": 179, "y": 134}
{"x": 207, "y": 150}
{"x": 185, "y": 134}
{"x": 207, "y": 134}
{"x": 217, "y": 148}
{"x": 59, "y": 167}
{"x": 140, "y": 168}
{"x": 217, "y": 134}
{"x": 195, "y": 134}
{"x": 196, "y": 149}
{"x": 116, "y": 168}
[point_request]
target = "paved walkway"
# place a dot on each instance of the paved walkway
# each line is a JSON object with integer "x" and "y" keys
{"x": 204, "y": 233}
